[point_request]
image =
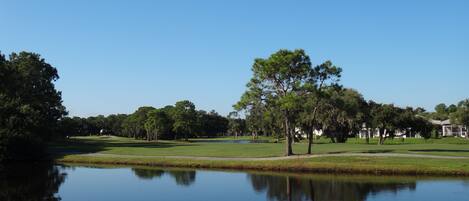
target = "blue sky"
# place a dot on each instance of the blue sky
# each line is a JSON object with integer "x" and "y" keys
{"x": 114, "y": 56}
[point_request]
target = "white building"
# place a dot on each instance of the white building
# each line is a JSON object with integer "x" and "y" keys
{"x": 450, "y": 130}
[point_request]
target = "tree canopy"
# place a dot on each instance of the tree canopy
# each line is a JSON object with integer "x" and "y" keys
{"x": 279, "y": 84}
{"x": 30, "y": 106}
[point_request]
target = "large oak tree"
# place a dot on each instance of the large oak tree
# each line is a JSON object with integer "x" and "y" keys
{"x": 30, "y": 106}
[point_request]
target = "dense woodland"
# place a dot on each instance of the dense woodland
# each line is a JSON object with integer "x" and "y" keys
{"x": 286, "y": 95}
{"x": 179, "y": 121}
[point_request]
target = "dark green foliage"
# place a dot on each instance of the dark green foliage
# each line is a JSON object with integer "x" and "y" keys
{"x": 76, "y": 126}
{"x": 185, "y": 119}
{"x": 276, "y": 92}
{"x": 422, "y": 126}
{"x": 389, "y": 119}
{"x": 211, "y": 124}
{"x": 460, "y": 115}
{"x": 30, "y": 106}
{"x": 169, "y": 122}
{"x": 342, "y": 113}
{"x": 158, "y": 122}
{"x": 443, "y": 112}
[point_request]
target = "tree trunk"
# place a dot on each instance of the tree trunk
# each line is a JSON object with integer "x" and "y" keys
{"x": 382, "y": 136}
{"x": 380, "y": 133}
{"x": 186, "y": 138}
{"x": 368, "y": 136}
{"x": 288, "y": 138}
{"x": 310, "y": 140}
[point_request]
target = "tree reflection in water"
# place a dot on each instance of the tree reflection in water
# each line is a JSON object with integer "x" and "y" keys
{"x": 304, "y": 187}
{"x": 323, "y": 188}
{"x": 148, "y": 174}
{"x": 182, "y": 177}
{"x": 30, "y": 182}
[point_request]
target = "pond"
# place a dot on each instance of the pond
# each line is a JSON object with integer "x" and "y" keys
{"x": 82, "y": 183}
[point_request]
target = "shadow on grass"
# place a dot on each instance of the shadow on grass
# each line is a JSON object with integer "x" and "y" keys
{"x": 441, "y": 150}
{"x": 378, "y": 151}
{"x": 336, "y": 152}
{"x": 83, "y": 146}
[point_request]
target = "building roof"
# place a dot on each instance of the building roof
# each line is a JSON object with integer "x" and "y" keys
{"x": 438, "y": 122}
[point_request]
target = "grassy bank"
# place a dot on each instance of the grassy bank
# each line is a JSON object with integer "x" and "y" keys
{"x": 355, "y": 165}
{"x": 136, "y": 152}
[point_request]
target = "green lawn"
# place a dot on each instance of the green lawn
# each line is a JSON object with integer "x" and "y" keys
{"x": 126, "y": 146}
{"x": 68, "y": 151}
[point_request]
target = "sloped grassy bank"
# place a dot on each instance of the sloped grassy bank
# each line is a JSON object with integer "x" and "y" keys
{"x": 333, "y": 164}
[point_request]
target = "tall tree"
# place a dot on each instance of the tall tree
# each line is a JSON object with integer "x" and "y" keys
{"x": 30, "y": 106}
{"x": 282, "y": 81}
{"x": 324, "y": 76}
{"x": 185, "y": 118}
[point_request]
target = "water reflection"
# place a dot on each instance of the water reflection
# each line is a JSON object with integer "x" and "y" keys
{"x": 182, "y": 177}
{"x": 51, "y": 182}
{"x": 321, "y": 188}
{"x": 148, "y": 174}
{"x": 30, "y": 182}
{"x": 301, "y": 187}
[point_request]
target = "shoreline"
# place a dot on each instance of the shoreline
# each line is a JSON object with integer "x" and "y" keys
{"x": 351, "y": 165}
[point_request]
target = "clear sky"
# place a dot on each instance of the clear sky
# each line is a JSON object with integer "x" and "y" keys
{"x": 114, "y": 56}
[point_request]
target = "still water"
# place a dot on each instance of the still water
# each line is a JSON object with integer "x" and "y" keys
{"x": 83, "y": 183}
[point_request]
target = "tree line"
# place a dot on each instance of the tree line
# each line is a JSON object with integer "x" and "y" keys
{"x": 179, "y": 121}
